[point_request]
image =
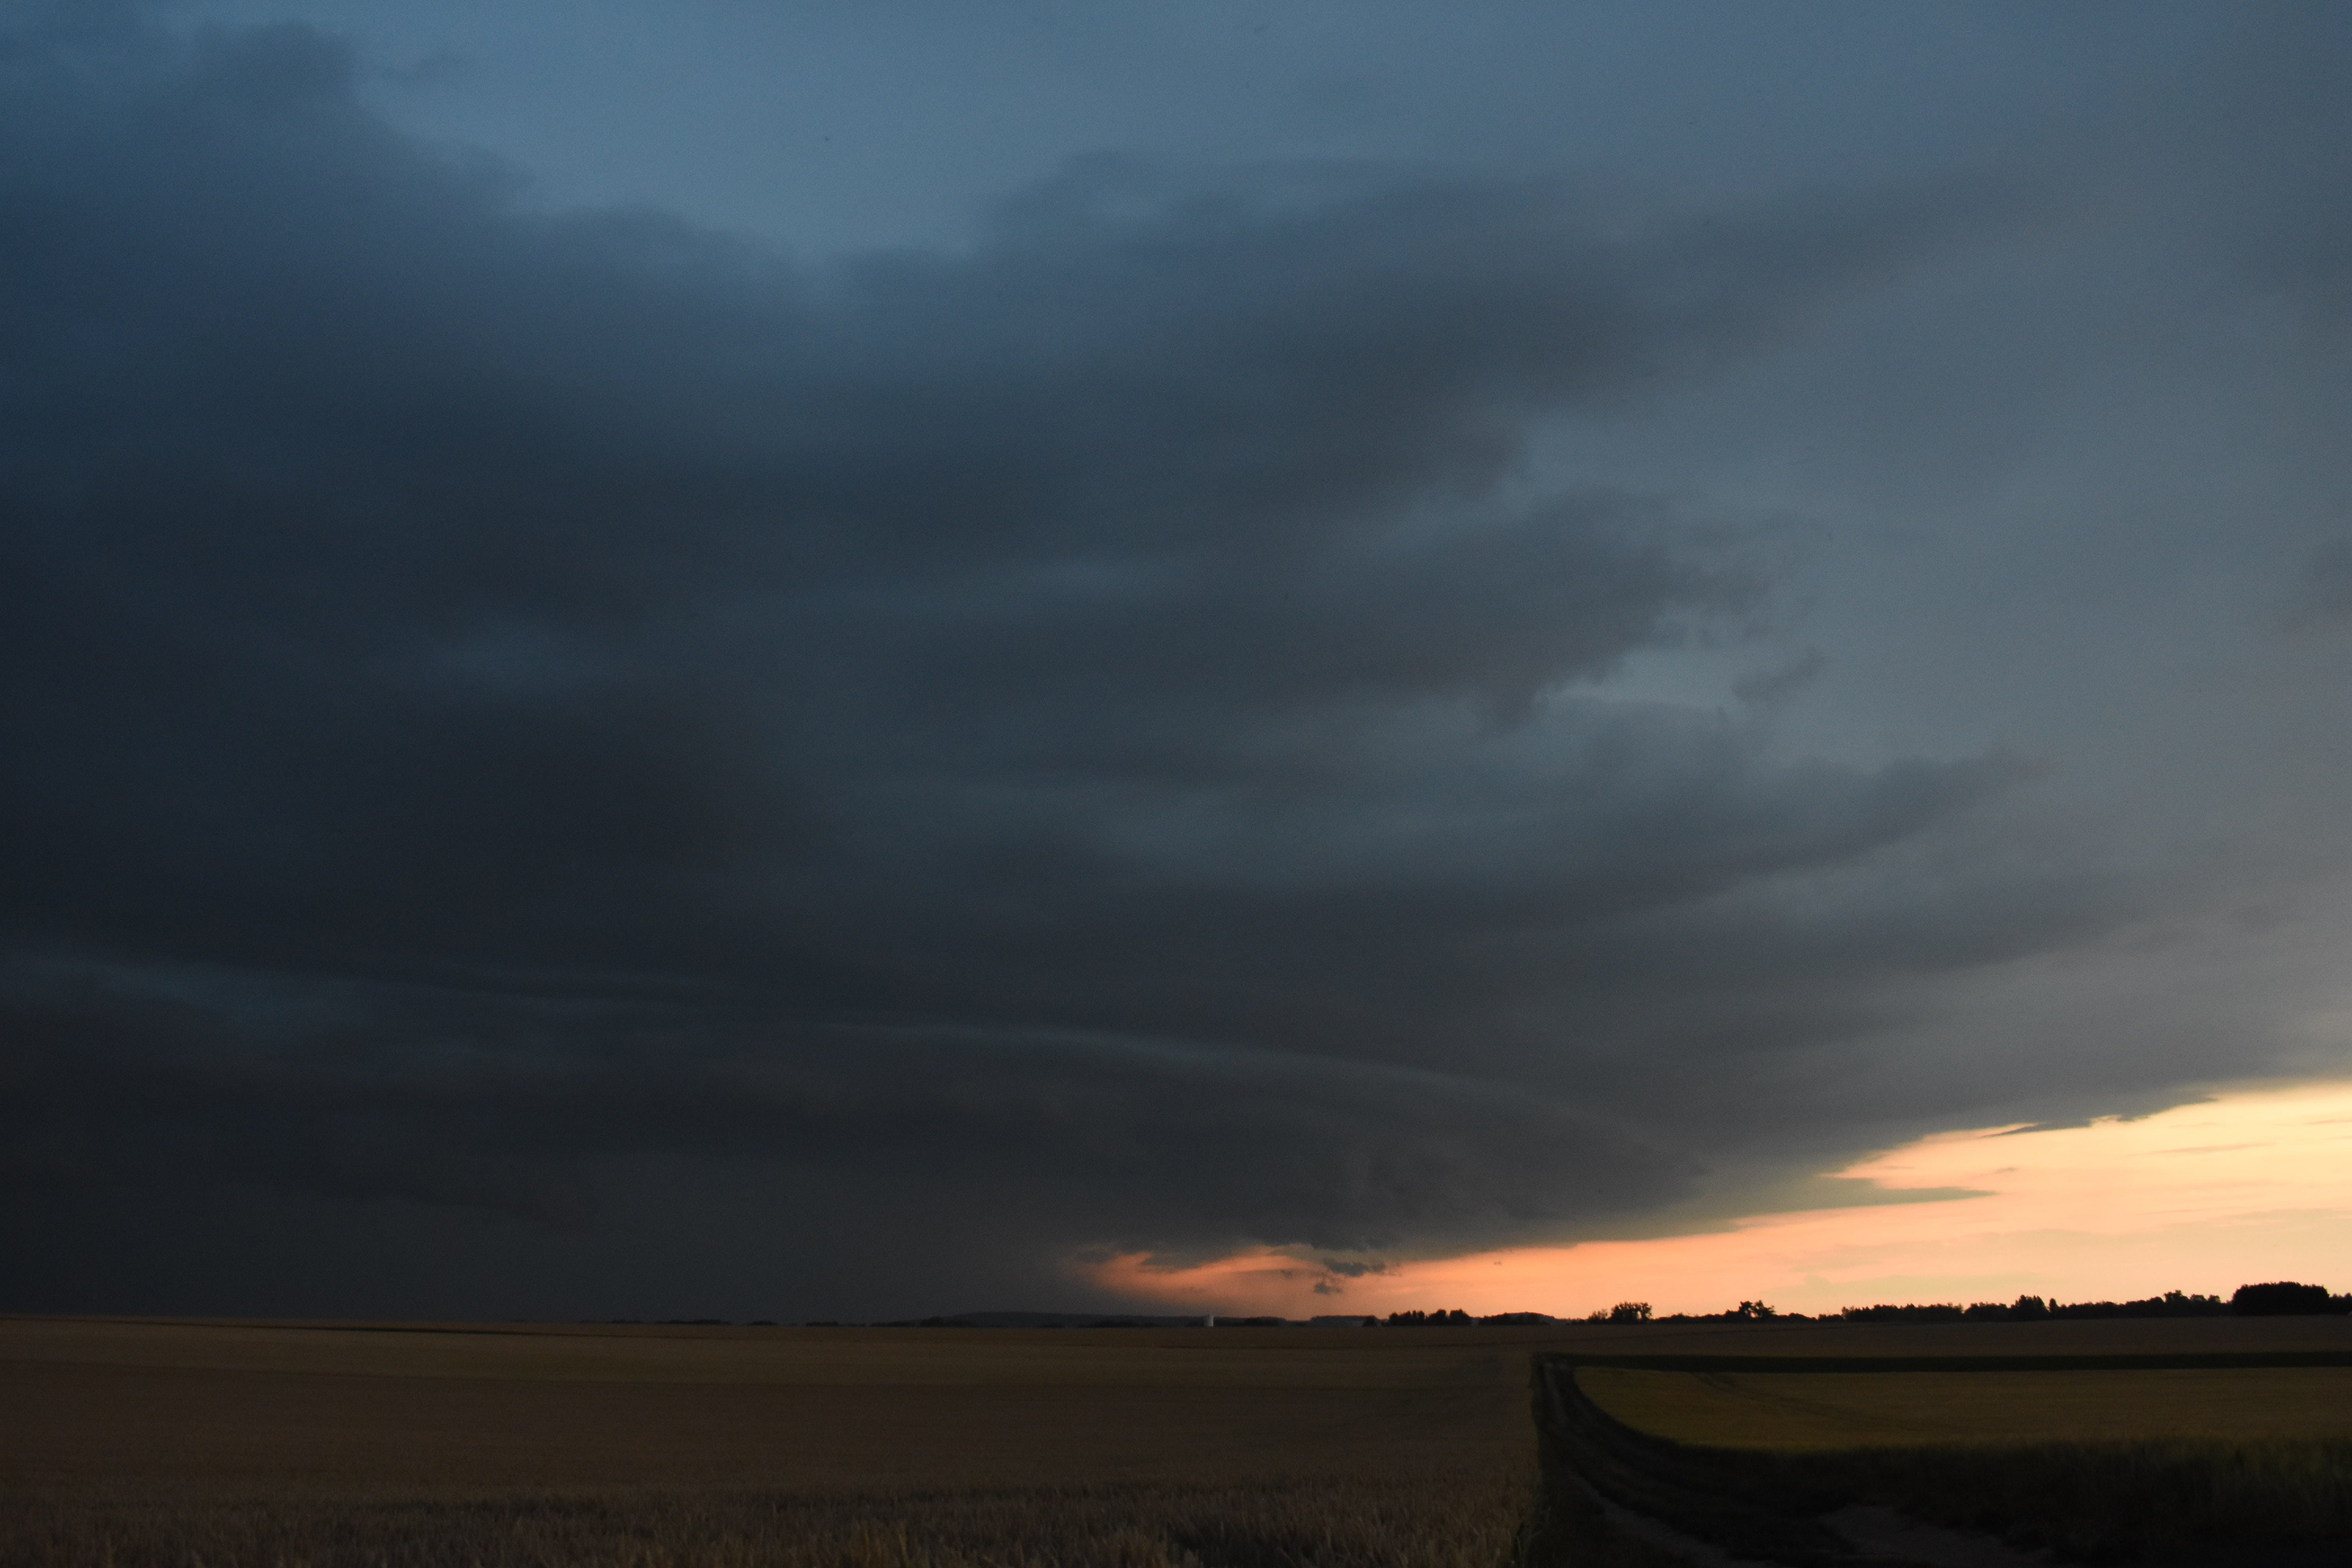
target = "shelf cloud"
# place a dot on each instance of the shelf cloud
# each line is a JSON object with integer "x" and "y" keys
{"x": 566, "y": 757}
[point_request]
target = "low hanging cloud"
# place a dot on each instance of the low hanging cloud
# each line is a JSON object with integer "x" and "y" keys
{"x": 1090, "y": 737}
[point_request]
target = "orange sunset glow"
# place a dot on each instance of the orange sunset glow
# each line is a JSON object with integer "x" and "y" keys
{"x": 2247, "y": 1185}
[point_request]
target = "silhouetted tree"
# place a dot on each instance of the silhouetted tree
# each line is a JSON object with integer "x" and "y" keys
{"x": 2281, "y": 1298}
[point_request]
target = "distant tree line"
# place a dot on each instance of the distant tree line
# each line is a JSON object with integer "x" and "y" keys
{"x": 2276, "y": 1300}
{"x": 1452, "y": 1315}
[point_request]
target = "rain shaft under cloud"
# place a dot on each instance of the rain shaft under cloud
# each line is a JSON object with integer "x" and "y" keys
{"x": 565, "y": 761}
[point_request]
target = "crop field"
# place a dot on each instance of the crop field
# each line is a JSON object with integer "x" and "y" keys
{"x": 240, "y": 1409}
{"x": 139, "y": 1443}
{"x": 275, "y": 1446}
{"x": 2237, "y": 1452}
{"x": 1803, "y": 1412}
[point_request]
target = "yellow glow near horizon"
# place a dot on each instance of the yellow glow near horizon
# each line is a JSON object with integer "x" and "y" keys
{"x": 2248, "y": 1186}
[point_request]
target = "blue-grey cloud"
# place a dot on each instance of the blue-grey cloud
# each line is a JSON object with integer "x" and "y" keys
{"x": 1095, "y": 734}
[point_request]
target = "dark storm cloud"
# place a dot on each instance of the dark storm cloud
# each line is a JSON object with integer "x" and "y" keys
{"x": 501, "y": 1105}
{"x": 1078, "y": 728}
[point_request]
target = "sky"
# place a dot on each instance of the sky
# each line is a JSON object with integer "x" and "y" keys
{"x": 748, "y": 660}
{"x": 2107, "y": 1209}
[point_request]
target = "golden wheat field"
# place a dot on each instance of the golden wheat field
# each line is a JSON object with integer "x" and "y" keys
{"x": 246, "y": 1407}
{"x": 317, "y": 1444}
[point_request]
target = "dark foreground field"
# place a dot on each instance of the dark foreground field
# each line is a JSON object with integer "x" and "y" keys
{"x": 136, "y": 1444}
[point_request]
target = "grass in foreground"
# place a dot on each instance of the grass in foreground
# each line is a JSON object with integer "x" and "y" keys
{"x": 1461, "y": 1521}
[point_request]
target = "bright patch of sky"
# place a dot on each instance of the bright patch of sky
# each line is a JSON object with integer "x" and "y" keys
{"x": 2250, "y": 1185}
